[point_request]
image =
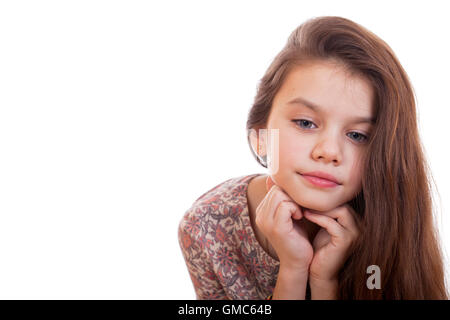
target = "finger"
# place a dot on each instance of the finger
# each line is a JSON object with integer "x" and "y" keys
{"x": 269, "y": 183}
{"x": 268, "y": 207}
{"x": 352, "y": 216}
{"x": 295, "y": 210}
{"x": 332, "y": 226}
{"x": 272, "y": 204}
{"x": 270, "y": 191}
{"x": 344, "y": 217}
{"x": 280, "y": 196}
{"x": 263, "y": 209}
{"x": 284, "y": 213}
{"x": 275, "y": 196}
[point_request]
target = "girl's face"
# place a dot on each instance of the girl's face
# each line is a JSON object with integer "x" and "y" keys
{"x": 324, "y": 116}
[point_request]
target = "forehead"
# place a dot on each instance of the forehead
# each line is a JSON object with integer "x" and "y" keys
{"x": 329, "y": 86}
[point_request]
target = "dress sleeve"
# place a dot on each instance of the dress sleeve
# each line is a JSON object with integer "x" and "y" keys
{"x": 194, "y": 248}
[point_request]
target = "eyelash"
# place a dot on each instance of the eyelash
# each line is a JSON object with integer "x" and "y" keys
{"x": 357, "y": 141}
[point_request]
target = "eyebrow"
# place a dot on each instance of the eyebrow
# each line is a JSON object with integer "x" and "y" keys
{"x": 316, "y": 108}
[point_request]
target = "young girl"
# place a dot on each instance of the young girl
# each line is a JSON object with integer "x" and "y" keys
{"x": 345, "y": 211}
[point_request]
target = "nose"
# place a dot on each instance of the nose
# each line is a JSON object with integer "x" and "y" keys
{"x": 327, "y": 150}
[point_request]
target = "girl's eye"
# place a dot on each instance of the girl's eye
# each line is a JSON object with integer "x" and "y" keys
{"x": 364, "y": 138}
{"x": 358, "y": 137}
{"x": 302, "y": 122}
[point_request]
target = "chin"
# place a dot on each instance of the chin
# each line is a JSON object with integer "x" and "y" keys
{"x": 316, "y": 207}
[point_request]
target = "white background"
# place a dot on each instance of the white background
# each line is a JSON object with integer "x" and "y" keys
{"x": 116, "y": 115}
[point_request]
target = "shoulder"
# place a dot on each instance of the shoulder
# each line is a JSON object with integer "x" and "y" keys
{"x": 213, "y": 216}
{"x": 230, "y": 193}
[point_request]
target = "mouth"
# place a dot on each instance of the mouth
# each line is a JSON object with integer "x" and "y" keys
{"x": 319, "y": 182}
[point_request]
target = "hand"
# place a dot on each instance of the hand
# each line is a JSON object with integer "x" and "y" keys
{"x": 277, "y": 217}
{"x": 333, "y": 242}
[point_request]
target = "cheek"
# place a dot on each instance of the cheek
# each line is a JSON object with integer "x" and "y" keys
{"x": 292, "y": 148}
{"x": 355, "y": 175}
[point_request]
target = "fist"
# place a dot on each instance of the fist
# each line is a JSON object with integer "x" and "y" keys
{"x": 277, "y": 216}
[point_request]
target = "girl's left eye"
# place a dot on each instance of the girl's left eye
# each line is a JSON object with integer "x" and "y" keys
{"x": 303, "y": 123}
{"x": 362, "y": 137}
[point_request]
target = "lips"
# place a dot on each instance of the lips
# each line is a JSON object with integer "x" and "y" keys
{"x": 321, "y": 175}
{"x": 320, "y": 179}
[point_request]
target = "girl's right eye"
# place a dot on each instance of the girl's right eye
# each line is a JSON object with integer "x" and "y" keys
{"x": 302, "y": 123}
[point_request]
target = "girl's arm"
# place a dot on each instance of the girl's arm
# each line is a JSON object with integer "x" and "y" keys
{"x": 291, "y": 284}
{"x": 206, "y": 284}
{"x": 323, "y": 290}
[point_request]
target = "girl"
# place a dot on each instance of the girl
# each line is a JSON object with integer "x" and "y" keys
{"x": 348, "y": 192}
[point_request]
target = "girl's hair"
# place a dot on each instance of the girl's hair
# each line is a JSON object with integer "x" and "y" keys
{"x": 395, "y": 204}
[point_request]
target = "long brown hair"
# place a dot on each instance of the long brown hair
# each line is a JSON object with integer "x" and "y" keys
{"x": 395, "y": 204}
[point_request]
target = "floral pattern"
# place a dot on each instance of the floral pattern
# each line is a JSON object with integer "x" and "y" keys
{"x": 223, "y": 257}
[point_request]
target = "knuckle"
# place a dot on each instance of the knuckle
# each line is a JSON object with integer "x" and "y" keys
{"x": 278, "y": 193}
{"x": 285, "y": 204}
{"x": 276, "y": 187}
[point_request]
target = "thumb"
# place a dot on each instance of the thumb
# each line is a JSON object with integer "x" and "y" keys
{"x": 269, "y": 183}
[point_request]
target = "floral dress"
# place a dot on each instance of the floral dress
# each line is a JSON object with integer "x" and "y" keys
{"x": 223, "y": 257}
